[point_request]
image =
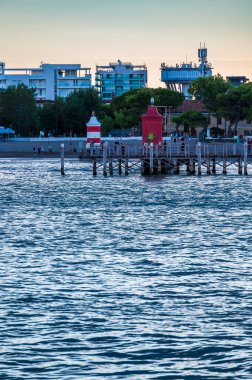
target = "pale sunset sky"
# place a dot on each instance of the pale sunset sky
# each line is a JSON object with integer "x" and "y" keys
{"x": 93, "y": 32}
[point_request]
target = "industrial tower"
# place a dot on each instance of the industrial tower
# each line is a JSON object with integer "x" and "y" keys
{"x": 179, "y": 77}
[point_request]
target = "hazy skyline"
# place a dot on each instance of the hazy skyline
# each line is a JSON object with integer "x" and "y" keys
{"x": 140, "y": 31}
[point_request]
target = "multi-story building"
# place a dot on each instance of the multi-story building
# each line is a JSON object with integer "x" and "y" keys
{"x": 49, "y": 80}
{"x": 119, "y": 77}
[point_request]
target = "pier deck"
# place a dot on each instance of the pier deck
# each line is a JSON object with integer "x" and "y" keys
{"x": 170, "y": 157}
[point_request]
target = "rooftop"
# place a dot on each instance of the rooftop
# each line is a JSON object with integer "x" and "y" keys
{"x": 190, "y": 105}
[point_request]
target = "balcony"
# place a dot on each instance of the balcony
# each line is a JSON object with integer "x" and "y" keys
{"x": 74, "y": 83}
{"x": 37, "y": 83}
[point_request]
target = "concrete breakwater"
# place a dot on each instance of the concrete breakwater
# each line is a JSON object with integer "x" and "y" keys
{"x": 46, "y": 146}
{"x": 26, "y": 147}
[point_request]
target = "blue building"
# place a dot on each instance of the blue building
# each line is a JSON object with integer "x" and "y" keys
{"x": 180, "y": 76}
{"x": 118, "y": 78}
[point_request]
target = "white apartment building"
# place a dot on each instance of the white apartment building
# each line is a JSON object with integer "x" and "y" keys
{"x": 49, "y": 80}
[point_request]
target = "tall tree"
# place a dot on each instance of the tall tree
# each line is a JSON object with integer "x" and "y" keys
{"x": 249, "y": 114}
{"x": 19, "y": 109}
{"x": 51, "y": 117}
{"x": 206, "y": 90}
{"x": 191, "y": 120}
{"x": 107, "y": 118}
{"x": 128, "y": 108}
{"x": 235, "y": 105}
{"x": 1, "y": 107}
{"x": 79, "y": 106}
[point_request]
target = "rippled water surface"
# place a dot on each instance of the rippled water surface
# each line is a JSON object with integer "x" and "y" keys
{"x": 124, "y": 277}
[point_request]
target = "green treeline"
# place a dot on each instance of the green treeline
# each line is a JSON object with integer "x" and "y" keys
{"x": 68, "y": 116}
{"x": 18, "y": 109}
{"x": 224, "y": 100}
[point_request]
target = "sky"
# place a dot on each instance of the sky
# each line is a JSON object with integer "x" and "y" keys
{"x": 96, "y": 32}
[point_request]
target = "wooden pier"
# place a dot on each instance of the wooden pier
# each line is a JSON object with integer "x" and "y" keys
{"x": 195, "y": 157}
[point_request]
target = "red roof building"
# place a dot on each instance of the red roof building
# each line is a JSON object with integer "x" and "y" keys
{"x": 190, "y": 105}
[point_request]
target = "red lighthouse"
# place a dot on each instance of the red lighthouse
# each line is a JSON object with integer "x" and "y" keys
{"x": 152, "y": 126}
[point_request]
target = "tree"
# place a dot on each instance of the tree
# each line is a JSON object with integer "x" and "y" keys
{"x": 18, "y": 107}
{"x": 191, "y": 120}
{"x": 69, "y": 116}
{"x": 1, "y": 107}
{"x": 168, "y": 98}
{"x": 51, "y": 117}
{"x": 235, "y": 105}
{"x": 79, "y": 106}
{"x": 107, "y": 119}
{"x": 126, "y": 110}
{"x": 206, "y": 90}
{"x": 249, "y": 114}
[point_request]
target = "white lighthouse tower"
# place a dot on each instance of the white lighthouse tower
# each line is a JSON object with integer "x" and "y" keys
{"x": 93, "y": 131}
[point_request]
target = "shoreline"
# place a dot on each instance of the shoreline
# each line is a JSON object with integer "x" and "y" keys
{"x": 55, "y": 155}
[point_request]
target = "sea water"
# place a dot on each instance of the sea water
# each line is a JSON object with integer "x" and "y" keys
{"x": 124, "y": 277}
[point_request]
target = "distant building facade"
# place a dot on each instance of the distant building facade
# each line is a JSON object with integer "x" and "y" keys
{"x": 237, "y": 80}
{"x": 49, "y": 80}
{"x": 118, "y": 78}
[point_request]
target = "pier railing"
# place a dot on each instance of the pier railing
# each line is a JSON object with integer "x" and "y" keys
{"x": 189, "y": 149}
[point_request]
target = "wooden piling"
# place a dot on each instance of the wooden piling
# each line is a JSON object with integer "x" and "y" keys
{"x": 142, "y": 167}
{"x": 169, "y": 166}
{"x": 110, "y": 166}
{"x": 176, "y": 167}
{"x": 187, "y": 166}
{"x": 155, "y": 166}
{"x": 151, "y": 158}
{"x": 145, "y": 166}
{"x": 62, "y": 165}
{"x": 126, "y": 166}
{"x": 224, "y": 166}
{"x": 239, "y": 166}
{"x": 120, "y": 166}
{"x": 104, "y": 160}
{"x": 191, "y": 166}
{"x": 213, "y": 166}
{"x": 245, "y": 158}
{"x": 208, "y": 166}
{"x": 94, "y": 167}
{"x": 199, "y": 158}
